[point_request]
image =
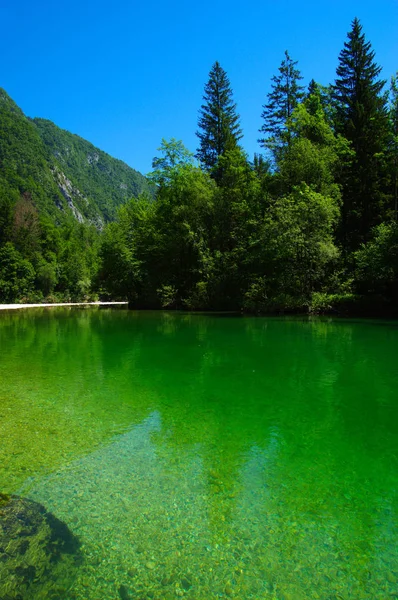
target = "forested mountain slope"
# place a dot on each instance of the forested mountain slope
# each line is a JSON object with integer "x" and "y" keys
{"x": 104, "y": 182}
{"x": 64, "y": 174}
{"x": 24, "y": 163}
{"x": 57, "y": 192}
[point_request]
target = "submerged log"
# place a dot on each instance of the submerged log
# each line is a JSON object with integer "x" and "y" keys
{"x": 39, "y": 555}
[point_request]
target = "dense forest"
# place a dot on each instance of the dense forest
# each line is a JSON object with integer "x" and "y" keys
{"x": 310, "y": 224}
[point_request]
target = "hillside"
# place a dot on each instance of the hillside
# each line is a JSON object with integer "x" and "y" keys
{"x": 64, "y": 175}
{"x": 57, "y": 191}
{"x": 24, "y": 163}
{"x": 98, "y": 180}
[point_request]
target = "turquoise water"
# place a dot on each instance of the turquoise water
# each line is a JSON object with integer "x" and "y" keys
{"x": 205, "y": 456}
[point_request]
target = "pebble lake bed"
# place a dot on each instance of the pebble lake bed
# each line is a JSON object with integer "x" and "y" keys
{"x": 205, "y": 456}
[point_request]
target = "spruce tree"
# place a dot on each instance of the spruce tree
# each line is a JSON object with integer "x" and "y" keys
{"x": 361, "y": 117}
{"x": 325, "y": 95}
{"x": 393, "y": 146}
{"x": 285, "y": 95}
{"x": 219, "y": 126}
{"x": 313, "y": 87}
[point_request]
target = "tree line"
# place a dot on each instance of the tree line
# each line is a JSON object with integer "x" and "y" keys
{"x": 309, "y": 224}
{"x": 41, "y": 260}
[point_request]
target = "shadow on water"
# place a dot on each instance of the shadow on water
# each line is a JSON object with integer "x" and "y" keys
{"x": 204, "y": 457}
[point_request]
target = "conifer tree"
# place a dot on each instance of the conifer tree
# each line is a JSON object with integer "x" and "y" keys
{"x": 313, "y": 87}
{"x": 324, "y": 94}
{"x": 219, "y": 126}
{"x": 393, "y": 113}
{"x": 361, "y": 117}
{"x": 285, "y": 95}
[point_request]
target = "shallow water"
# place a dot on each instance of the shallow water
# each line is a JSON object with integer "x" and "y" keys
{"x": 204, "y": 456}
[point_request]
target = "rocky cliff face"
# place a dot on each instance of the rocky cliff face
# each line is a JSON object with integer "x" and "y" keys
{"x": 69, "y": 192}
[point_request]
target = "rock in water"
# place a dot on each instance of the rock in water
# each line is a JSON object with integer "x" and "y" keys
{"x": 124, "y": 593}
{"x": 39, "y": 555}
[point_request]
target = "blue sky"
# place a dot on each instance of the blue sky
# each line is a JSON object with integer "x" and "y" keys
{"x": 124, "y": 74}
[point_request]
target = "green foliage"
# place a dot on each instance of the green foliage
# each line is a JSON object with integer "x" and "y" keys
{"x": 24, "y": 166}
{"x": 256, "y": 298}
{"x": 16, "y": 274}
{"x": 237, "y": 213}
{"x": 182, "y": 219}
{"x": 26, "y": 226}
{"x": 78, "y": 261}
{"x": 46, "y": 277}
{"x": 161, "y": 248}
{"x": 322, "y": 302}
{"x": 120, "y": 273}
{"x": 175, "y": 154}
{"x": 8, "y": 198}
{"x": 198, "y": 298}
{"x": 219, "y": 127}
{"x": 208, "y": 246}
{"x": 377, "y": 263}
{"x": 325, "y": 95}
{"x": 97, "y": 183}
{"x": 393, "y": 145}
{"x": 315, "y": 154}
{"x": 297, "y": 248}
{"x": 168, "y": 296}
{"x": 361, "y": 117}
{"x": 285, "y": 95}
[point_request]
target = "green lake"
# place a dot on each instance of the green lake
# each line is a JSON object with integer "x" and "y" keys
{"x": 204, "y": 456}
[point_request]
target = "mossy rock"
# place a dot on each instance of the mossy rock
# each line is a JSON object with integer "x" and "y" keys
{"x": 39, "y": 555}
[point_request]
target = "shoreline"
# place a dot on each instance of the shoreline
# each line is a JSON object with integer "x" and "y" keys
{"x": 15, "y": 306}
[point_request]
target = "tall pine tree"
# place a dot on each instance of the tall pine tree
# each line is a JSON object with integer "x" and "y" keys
{"x": 393, "y": 146}
{"x": 361, "y": 117}
{"x": 219, "y": 126}
{"x": 282, "y": 100}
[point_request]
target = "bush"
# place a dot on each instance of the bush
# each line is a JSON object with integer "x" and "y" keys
{"x": 323, "y": 303}
{"x": 17, "y": 275}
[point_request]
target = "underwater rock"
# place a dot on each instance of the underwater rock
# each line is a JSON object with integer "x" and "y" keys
{"x": 39, "y": 555}
{"x": 124, "y": 593}
{"x": 186, "y": 583}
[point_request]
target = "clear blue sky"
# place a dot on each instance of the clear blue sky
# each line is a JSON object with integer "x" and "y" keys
{"x": 124, "y": 74}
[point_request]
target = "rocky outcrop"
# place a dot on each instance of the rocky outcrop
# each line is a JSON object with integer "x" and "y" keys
{"x": 92, "y": 158}
{"x": 68, "y": 191}
{"x": 39, "y": 555}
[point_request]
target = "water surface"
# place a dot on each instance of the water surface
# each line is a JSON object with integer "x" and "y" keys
{"x": 204, "y": 456}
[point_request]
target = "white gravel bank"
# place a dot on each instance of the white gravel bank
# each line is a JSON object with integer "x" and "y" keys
{"x": 12, "y": 306}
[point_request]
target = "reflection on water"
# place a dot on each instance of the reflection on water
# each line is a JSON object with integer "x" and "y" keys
{"x": 207, "y": 457}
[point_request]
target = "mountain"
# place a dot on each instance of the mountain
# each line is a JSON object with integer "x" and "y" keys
{"x": 57, "y": 191}
{"x": 25, "y": 167}
{"x": 64, "y": 175}
{"x": 89, "y": 175}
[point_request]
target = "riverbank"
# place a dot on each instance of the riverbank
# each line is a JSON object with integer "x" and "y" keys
{"x": 14, "y": 306}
